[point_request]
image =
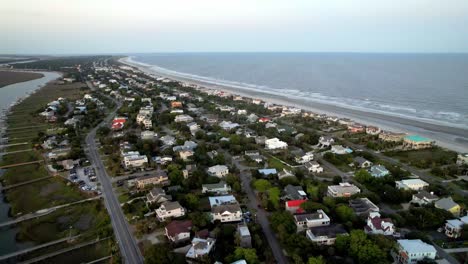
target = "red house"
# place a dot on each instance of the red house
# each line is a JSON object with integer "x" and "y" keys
{"x": 264, "y": 120}
{"x": 118, "y": 123}
{"x": 294, "y": 206}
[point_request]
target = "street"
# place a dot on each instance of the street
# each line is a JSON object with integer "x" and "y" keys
{"x": 127, "y": 244}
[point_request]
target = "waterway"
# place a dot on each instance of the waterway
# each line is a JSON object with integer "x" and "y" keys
{"x": 10, "y": 95}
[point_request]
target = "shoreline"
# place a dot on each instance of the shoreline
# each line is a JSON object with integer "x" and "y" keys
{"x": 453, "y": 138}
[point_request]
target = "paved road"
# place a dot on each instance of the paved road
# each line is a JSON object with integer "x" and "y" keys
{"x": 127, "y": 244}
{"x": 262, "y": 215}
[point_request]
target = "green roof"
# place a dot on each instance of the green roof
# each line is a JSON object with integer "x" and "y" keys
{"x": 417, "y": 138}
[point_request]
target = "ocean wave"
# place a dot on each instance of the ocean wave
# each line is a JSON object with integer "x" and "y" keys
{"x": 442, "y": 117}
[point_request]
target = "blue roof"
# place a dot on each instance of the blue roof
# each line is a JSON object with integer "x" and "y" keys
{"x": 417, "y": 138}
{"x": 267, "y": 171}
{"x": 217, "y": 200}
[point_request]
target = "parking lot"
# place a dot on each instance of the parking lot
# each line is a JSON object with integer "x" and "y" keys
{"x": 85, "y": 178}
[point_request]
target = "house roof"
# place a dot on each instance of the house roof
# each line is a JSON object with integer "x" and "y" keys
{"x": 171, "y": 205}
{"x": 176, "y": 227}
{"x": 217, "y": 200}
{"x": 294, "y": 192}
{"x": 426, "y": 195}
{"x": 295, "y": 203}
{"x": 218, "y": 185}
{"x": 445, "y": 203}
{"x": 267, "y": 171}
{"x": 415, "y": 246}
{"x": 231, "y": 208}
{"x": 329, "y": 231}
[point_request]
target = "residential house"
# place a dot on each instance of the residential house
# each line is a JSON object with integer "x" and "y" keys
{"x": 448, "y": 205}
{"x": 275, "y": 143}
{"x": 147, "y": 135}
{"x": 157, "y": 195}
{"x": 344, "y": 189}
{"x": 410, "y": 251}
{"x": 294, "y": 206}
{"x": 228, "y": 125}
{"x": 294, "y": 193}
{"x": 178, "y": 231}
{"x": 260, "y": 140}
{"x": 218, "y": 171}
{"x": 363, "y": 206}
{"x": 362, "y": 162}
{"x": 453, "y": 227}
{"x": 160, "y": 178}
{"x": 379, "y": 226}
{"x": 424, "y": 197}
{"x": 223, "y": 199}
{"x": 135, "y": 161}
{"x": 169, "y": 210}
{"x": 200, "y": 247}
{"x": 186, "y": 154}
{"x": 411, "y": 184}
{"x": 183, "y": 118}
{"x": 168, "y": 140}
{"x": 304, "y": 221}
{"x": 217, "y": 188}
{"x": 391, "y": 136}
{"x": 379, "y": 171}
{"x": 267, "y": 172}
{"x": 252, "y": 118}
{"x": 245, "y": 239}
{"x": 340, "y": 150}
{"x": 372, "y": 130}
{"x": 313, "y": 166}
{"x": 462, "y": 158}
{"x": 326, "y": 141}
{"x": 305, "y": 158}
{"x": 325, "y": 235}
{"x": 356, "y": 128}
{"x": 228, "y": 212}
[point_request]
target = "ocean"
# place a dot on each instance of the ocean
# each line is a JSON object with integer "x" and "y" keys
{"x": 428, "y": 87}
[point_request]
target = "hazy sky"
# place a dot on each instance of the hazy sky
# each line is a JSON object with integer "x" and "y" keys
{"x": 98, "y": 26}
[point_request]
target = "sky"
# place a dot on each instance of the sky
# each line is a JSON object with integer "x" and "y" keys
{"x": 118, "y": 26}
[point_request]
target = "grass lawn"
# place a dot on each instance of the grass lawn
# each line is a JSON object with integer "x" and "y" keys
{"x": 278, "y": 165}
{"x": 426, "y": 158}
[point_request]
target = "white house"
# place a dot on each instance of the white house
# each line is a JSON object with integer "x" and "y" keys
{"x": 218, "y": 170}
{"x": 217, "y": 188}
{"x": 344, "y": 189}
{"x": 275, "y": 143}
{"x": 169, "y": 210}
{"x": 305, "y": 158}
{"x": 379, "y": 226}
{"x": 228, "y": 125}
{"x": 423, "y": 197}
{"x": 303, "y": 221}
{"x": 135, "y": 161}
{"x": 200, "y": 247}
{"x": 226, "y": 213}
{"x": 411, "y": 251}
{"x": 325, "y": 235}
{"x": 183, "y": 118}
{"x": 326, "y": 141}
{"x": 454, "y": 227}
{"x": 147, "y": 135}
{"x": 340, "y": 150}
{"x": 313, "y": 166}
{"x": 411, "y": 184}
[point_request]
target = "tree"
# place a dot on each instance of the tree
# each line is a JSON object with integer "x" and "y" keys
{"x": 345, "y": 213}
{"x": 160, "y": 254}
{"x": 262, "y": 185}
{"x": 274, "y": 196}
{"x": 363, "y": 176}
{"x": 248, "y": 254}
{"x": 316, "y": 260}
{"x": 192, "y": 201}
{"x": 310, "y": 207}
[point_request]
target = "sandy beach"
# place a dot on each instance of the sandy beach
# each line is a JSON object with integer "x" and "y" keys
{"x": 453, "y": 138}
